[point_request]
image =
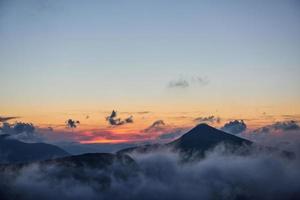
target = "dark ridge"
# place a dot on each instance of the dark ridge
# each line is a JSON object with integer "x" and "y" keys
{"x": 14, "y": 151}
{"x": 91, "y": 160}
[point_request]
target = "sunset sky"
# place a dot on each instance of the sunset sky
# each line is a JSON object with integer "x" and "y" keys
{"x": 174, "y": 61}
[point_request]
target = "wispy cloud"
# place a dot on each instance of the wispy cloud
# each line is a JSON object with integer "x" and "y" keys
{"x": 181, "y": 83}
{"x": 156, "y": 126}
{"x": 187, "y": 82}
{"x": 4, "y": 119}
{"x": 209, "y": 119}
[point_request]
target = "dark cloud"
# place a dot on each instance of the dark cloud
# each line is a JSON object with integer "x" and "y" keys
{"x": 115, "y": 121}
{"x": 5, "y": 119}
{"x": 235, "y": 127}
{"x": 157, "y": 126}
{"x": 129, "y": 119}
{"x": 209, "y": 119}
{"x": 72, "y": 123}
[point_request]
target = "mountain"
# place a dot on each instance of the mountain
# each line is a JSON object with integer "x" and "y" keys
{"x": 94, "y": 170}
{"x": 91, "y": 160}
{"x": 14, "y": 151}
{"x": 200, "y": 139}
{"x": 204, "y": 137}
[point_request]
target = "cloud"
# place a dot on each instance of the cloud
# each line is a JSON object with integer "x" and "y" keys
{"x": 160, "y": 175}
{"x": 209, "y": 119}
{"x": 200, "y": 80}
{"x": 17, "y": 128}
{"x": 143, "y": 112}
{"x": 129, "y": 120}
{"x": 235, "y": 127}
{"x": 72, "y": 123}
{"x": 4, "y": 119}
{"x": 114, "y": 121}
{"x": 279, "y": 126}
{"x": 178, "y": 84}
{"x": 20, "y": 131}
{"x": 185, "y": 83}
{"x": 284, "y": 135}
{"x": 286, "y": 126}
{"x": 156, "y": 126}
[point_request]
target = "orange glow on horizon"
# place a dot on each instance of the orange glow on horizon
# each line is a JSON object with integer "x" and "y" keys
{"x": 103, "y": 141}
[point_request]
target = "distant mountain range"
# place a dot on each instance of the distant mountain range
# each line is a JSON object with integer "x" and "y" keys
{"x": 14, "y": 151}
{"x": 198, "y": 140}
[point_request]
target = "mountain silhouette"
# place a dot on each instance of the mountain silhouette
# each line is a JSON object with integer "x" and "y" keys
{"x": 199, "y": 139}
{"x": 204, "y": 137}
{"x": 14, "y": 151}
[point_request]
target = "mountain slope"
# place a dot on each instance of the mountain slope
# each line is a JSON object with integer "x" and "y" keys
{"x": 204, "y": 137}
{"x": 201, "y": 138}
{"x": 14, "y": 151}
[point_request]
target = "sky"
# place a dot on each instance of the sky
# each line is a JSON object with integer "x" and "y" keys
{"x": 174, "y": 61}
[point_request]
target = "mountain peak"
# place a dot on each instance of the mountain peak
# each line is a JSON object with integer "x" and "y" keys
{"x": 203, "y": 126}
{"x": 203, "y": 137}
{"x": 203, "y": 129}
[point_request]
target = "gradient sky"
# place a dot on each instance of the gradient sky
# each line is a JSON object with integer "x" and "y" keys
{"x": 70, "y": 59}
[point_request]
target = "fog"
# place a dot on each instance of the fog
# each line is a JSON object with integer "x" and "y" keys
{"x": 161, "y": 175}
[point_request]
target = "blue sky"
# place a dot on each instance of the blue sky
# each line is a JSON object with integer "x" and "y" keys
{"x": 57, "y": 55}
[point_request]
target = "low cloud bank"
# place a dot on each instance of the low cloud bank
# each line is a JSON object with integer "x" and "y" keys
{"x": 279, "y": 126}
{"x": 220, "y": 175}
